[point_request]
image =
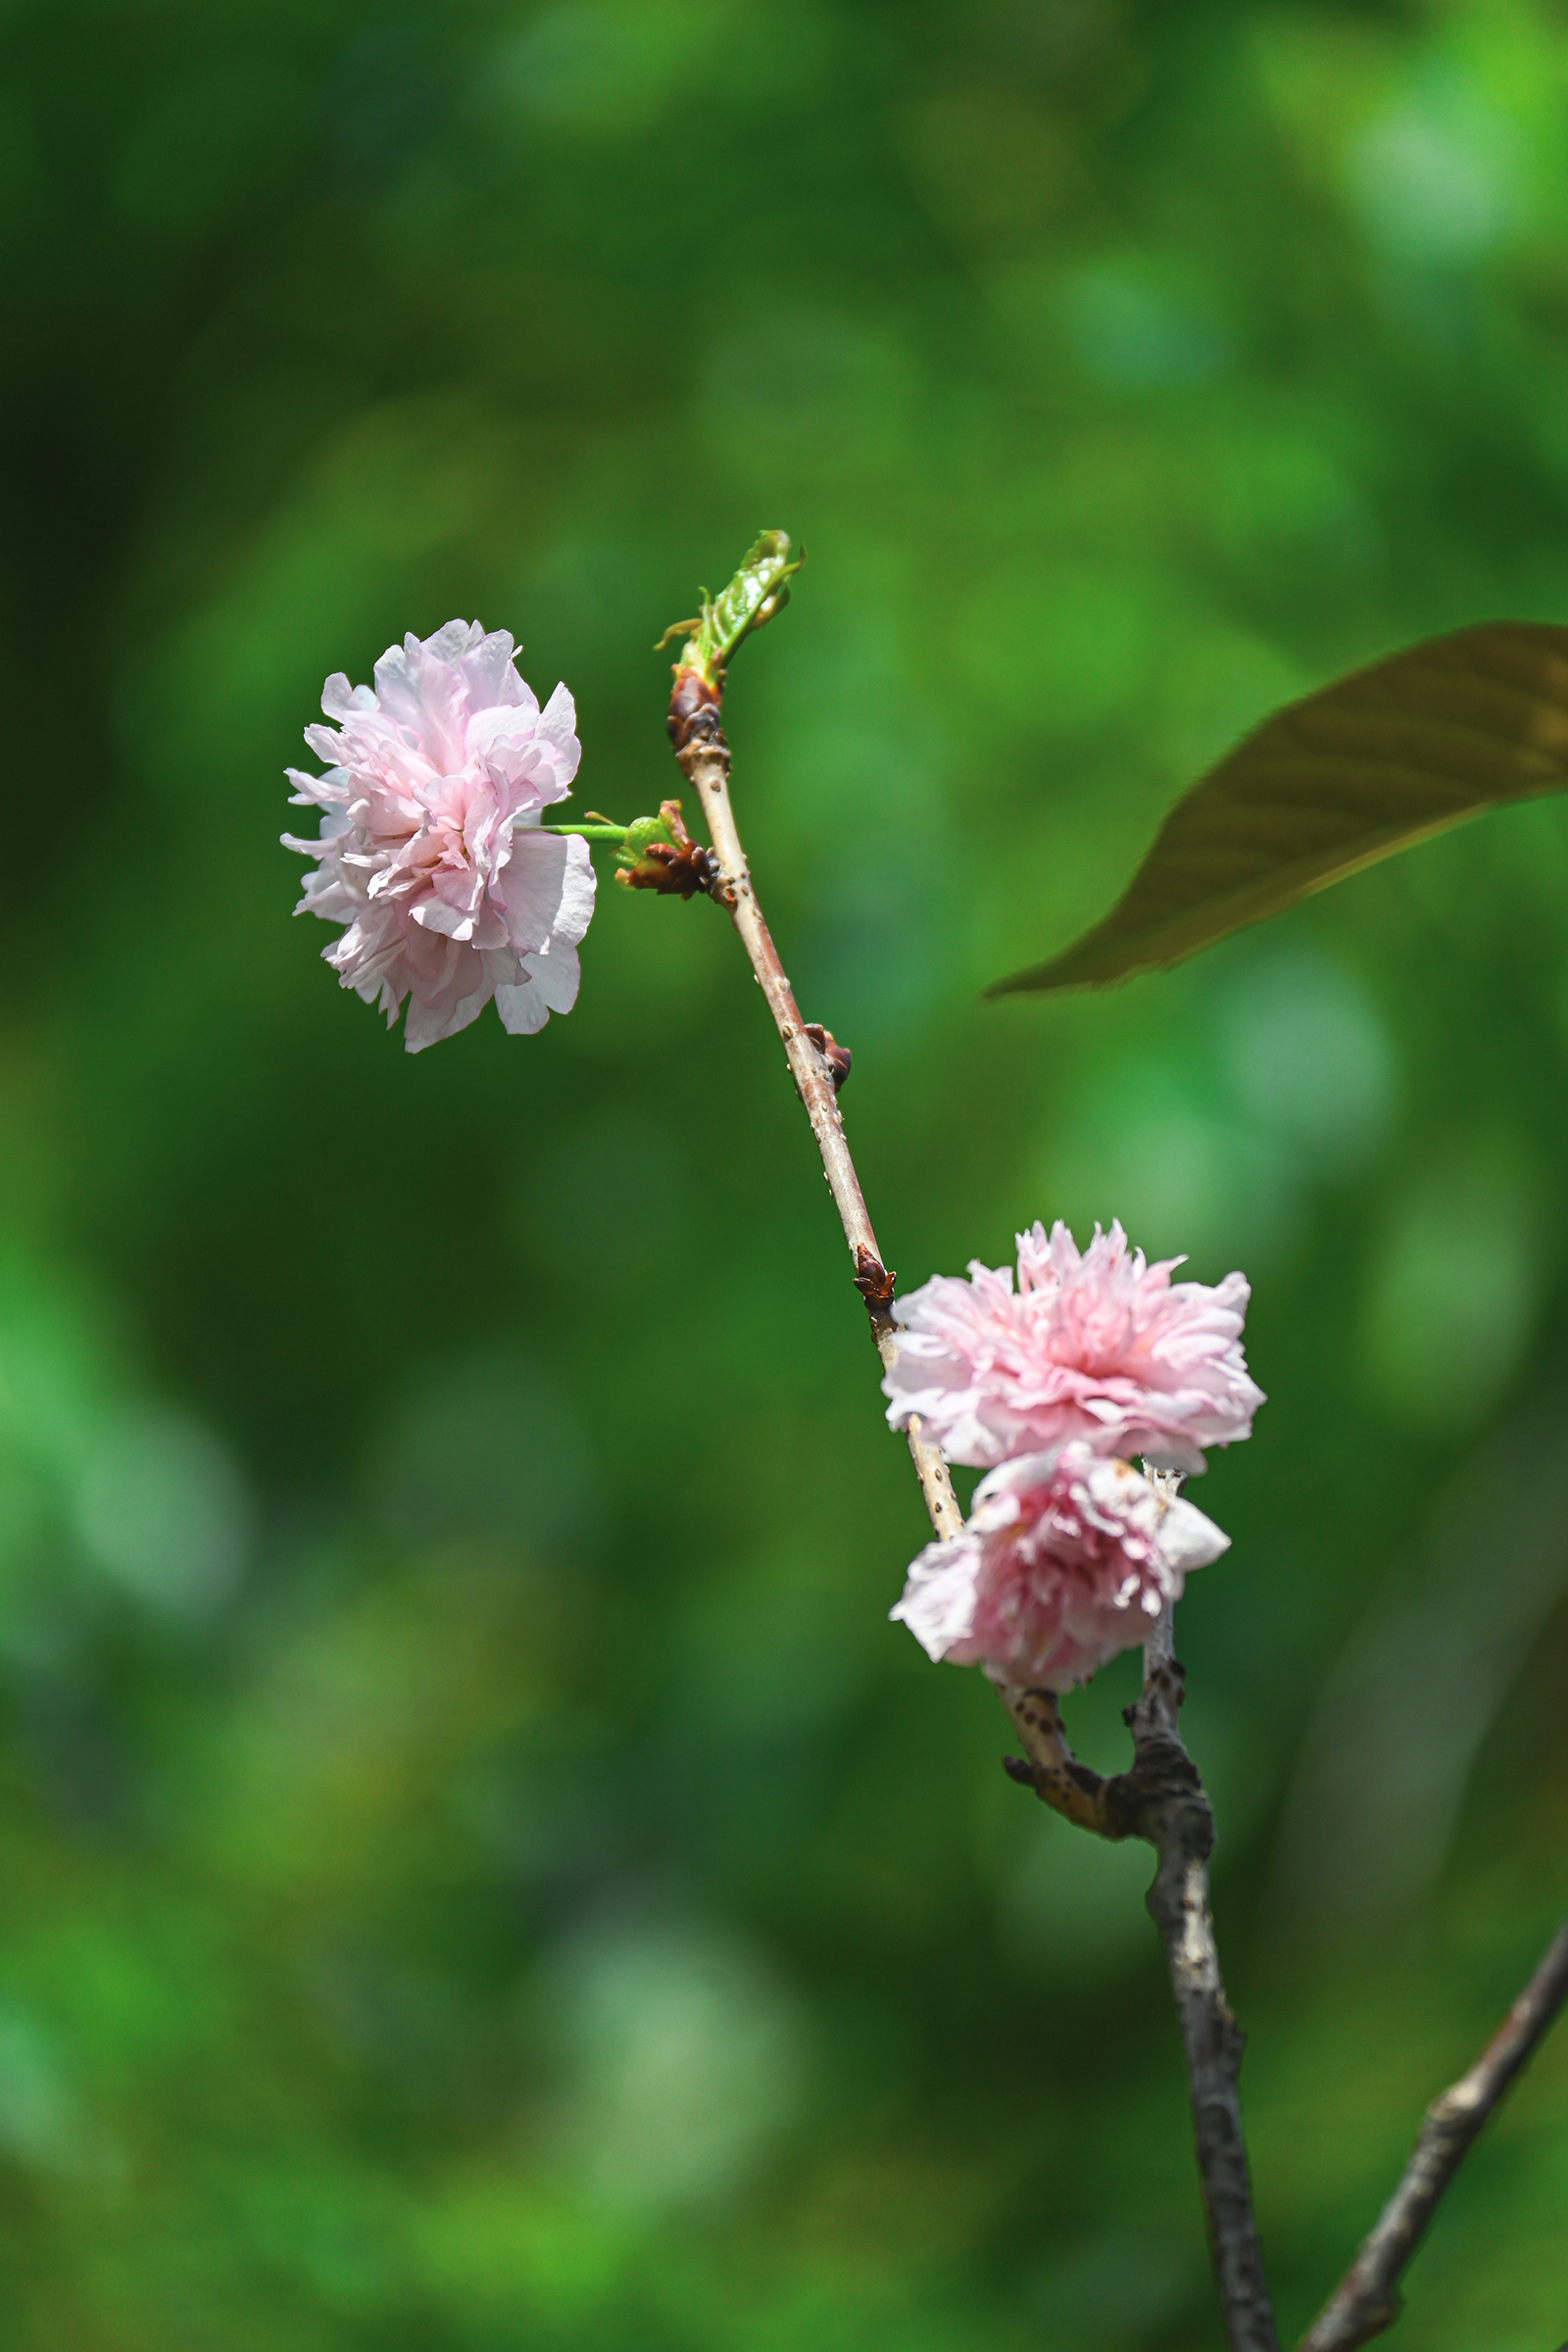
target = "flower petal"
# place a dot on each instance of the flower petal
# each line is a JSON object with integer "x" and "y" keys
{"x": 938, "y": 1600}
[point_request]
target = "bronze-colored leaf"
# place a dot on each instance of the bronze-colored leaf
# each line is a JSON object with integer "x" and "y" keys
{"x": 1382, "y": 758}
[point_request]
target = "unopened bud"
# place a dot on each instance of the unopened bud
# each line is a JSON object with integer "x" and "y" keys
{"x": 840, "y": 1061}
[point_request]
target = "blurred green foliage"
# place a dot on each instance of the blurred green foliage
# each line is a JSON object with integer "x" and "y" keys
{"x": 480, "y": 1870}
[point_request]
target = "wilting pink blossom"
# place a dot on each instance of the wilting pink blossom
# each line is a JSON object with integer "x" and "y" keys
{"x": 1068, "y": 1558}
{"x": 1094, "y": 1345}
{"x": 429, "y": 849}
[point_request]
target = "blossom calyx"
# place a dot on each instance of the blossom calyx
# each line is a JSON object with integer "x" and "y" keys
{"x": 658, "y": 854}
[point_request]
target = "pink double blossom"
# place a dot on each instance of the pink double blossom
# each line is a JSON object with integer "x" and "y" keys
{"x": 1095, "y": 1346}
{"x": 1066, "y": 1559}
{"x": 429, "y": 849}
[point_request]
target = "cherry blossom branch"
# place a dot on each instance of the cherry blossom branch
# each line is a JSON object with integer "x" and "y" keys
{"x": 1366, "y": 2299}
{"x": 1163, "y": 1799}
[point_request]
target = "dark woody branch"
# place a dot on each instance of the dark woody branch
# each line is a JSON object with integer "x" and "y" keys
{"x": 1366, "y": 2299}
{"x": 1161, "y": 1799}
{"x": 1157, "y": 1800}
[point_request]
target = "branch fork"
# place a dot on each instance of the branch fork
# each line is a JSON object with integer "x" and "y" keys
{"x": 1161, "y": 1799}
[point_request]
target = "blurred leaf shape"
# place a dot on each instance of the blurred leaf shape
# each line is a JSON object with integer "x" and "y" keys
{"x": 164, "y": 1510}
{"x": 684, "y": 2058}
{"x": 1331, "y": 783}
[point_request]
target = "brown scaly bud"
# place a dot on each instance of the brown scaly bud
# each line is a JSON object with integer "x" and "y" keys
{"x": 874, "y": 1281}
{"x": 663, "y": 856}
{"x": 837, "y": 1057}
{"x": 693, "y": 709}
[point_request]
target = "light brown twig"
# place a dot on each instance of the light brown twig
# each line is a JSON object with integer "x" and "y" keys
{"x": 1366, "y": 2299}
{"x": 704, "y": 758}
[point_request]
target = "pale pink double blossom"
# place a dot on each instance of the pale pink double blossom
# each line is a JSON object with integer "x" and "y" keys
{"x": 1068, "y": 1558}
{"x": 1096, "y": 1345}
{"x": 1070, "y": 1553}
{"x": 429, "y": 849}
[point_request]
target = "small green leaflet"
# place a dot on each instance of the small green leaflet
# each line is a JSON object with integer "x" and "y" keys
{"x": 758, "y": 592}
{"x": 1382, "y": 758}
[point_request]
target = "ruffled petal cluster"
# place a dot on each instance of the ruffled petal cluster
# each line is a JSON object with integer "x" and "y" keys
{"x": 1068, "y": 1558}
{"x": 1093, "y": 1345}
{"x": 429, "y": 849}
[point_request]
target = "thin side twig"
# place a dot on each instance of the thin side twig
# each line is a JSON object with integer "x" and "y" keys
{"x": 1366, "y": 2299}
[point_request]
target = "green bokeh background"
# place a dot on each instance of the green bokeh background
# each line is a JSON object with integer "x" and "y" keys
{"x": 480, "y": 1869}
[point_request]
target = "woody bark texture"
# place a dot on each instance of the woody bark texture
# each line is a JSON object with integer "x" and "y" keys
{"x": 1366, "y": 2300}
{"x": 1161, "y": 1799}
